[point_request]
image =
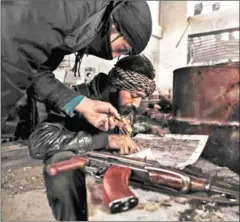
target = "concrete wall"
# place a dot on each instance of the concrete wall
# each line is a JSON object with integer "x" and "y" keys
{"x": 100, "y": 65}
{"x": 174, "y": 22}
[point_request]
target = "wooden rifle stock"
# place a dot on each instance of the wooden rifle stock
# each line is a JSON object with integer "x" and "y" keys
{"x": 115, "y": 188}
{"x": 74, "y": 163}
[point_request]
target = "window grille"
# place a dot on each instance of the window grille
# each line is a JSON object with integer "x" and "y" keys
{"x": 213, "y": 47}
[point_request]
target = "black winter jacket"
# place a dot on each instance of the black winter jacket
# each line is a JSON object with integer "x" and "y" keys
{"x": 63, "y": 133}
{"x": 60, "y": 132}
{"x": 35, "y": 40}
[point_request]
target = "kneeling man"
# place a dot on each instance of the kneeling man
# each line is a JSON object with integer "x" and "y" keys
{"x": 59, "y": 138}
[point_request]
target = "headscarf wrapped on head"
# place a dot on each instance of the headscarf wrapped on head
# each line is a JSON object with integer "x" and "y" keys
{"x": 133, "y": 19}
{"x": 130, "y": 80}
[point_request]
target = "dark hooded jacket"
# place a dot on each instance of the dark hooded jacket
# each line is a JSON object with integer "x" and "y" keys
{"x": 36, "y": 35}
{"x": 58, "y": 132}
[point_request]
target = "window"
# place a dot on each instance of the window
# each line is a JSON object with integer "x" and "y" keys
{"x": 213, "y": 47}
{"x": 195, "y": 8}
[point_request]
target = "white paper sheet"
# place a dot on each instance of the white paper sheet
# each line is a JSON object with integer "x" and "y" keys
{"x": 173, "y": 150}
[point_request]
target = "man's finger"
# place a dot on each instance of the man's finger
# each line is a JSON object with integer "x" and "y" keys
{"x": 102, "y": 122}
{"x": 113, "y": 112}
{"x": 161, "y": 133}
{"x": 101, "y": 127}
{"x": 134, "y": 147}
{"x": 124, "y": 121}
{"x": 124, "y": 147}
{"x": 106, "y": 124}
{"x": 127, "y": 149}
{"x": 111, "y": 122}
{"x": 107, "y": 108}
{"x": 122, "y": 150}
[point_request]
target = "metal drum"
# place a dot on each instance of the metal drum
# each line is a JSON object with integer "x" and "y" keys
{"x": 206, "y": 101}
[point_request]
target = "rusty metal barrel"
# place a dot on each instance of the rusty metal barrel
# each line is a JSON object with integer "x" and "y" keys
{"x": 206, "y": 101}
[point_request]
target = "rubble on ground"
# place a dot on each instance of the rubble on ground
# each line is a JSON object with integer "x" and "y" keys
{"x": 24, "y": 198}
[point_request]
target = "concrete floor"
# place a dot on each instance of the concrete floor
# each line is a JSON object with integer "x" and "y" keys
{"x": 24, "y": 197}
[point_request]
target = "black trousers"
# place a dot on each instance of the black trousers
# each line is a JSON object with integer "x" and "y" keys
{"x": 66, "y": 192}
{"x": 10, "y": 94}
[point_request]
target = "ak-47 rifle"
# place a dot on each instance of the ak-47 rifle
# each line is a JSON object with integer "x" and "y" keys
{"x": 116, "y": 172}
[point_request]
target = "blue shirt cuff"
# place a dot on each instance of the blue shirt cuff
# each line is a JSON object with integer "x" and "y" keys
{"x": 70, "y": 106}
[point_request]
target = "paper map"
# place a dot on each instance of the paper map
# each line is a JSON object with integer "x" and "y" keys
{"x": 173, "y": 150}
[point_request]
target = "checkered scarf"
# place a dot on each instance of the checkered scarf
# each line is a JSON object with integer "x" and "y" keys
{"x": 130, "y": 80}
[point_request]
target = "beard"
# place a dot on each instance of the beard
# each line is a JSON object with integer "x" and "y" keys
{"x": 114, "y": 99}
{"x": 126, "y": 109}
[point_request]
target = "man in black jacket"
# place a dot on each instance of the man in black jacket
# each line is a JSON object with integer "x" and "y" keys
{"x": 60, "y": 138}
{"x": 36, "y": 35}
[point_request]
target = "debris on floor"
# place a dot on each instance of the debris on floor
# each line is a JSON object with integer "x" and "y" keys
{"x": 24, "y": 198}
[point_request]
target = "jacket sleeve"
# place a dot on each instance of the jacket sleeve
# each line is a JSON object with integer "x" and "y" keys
{"x": 47, "y": 88}
{"x": 54, "y": 38}
{"x": 50, "y": 138}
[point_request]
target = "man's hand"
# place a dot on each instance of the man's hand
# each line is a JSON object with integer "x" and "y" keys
{"x": 124, "y": 126}
{"x": 159, "y": 131}
{"x": 102, "y": 115}
{"x": 122, "y": 142}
